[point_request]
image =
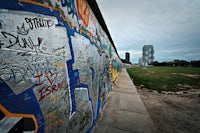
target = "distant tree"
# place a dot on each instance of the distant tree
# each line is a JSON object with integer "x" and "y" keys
{"x": 195, "y": 63}
{"x": 178, "y": 63}
{"x": 156, "y": 63}
{"x": 181, "y": 63}
{"x": 184, "y": 63}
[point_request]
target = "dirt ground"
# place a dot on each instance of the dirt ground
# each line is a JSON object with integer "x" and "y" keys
{"x": 173, "y": 112}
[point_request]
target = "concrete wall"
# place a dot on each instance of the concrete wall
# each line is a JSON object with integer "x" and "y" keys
{"x": 57, "y": 65}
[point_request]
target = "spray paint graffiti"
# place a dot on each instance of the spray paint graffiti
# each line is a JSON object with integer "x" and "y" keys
{"x": 70, "y": 6}
{"x": 83, "y": 11}
{"x": 54, "y": 64}
{"x": 34, "y": 76}
{"x": 83, "y": 116}
{"x": 22, "y": 43}
{"x": 38, "y": 23}
{"x": 29, "y": 120}
{"x": 52, "y": 87}
{"x": 53, "y": 120}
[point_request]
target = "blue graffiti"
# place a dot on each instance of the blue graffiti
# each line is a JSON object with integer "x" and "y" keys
{"x": 71, "y": 7}
{"x": 23, "y": 103}
{"x": 75, "y": 81}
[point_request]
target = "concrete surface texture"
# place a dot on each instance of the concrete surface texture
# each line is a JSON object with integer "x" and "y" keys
{"x": 125, "y": 112}
{"x": 57, "y": 65}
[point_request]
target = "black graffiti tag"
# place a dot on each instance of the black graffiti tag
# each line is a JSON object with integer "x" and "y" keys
{"x": 35, "y": 23}
{"x": 21, "y": 42}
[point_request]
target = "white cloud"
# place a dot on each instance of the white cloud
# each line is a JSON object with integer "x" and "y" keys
{"x": 194, "y": 54}
{"x": 171, "y": 51}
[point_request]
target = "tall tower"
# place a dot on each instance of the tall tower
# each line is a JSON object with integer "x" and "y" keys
{"x": 148, "y": 54}
{"x": 127, "y": 58}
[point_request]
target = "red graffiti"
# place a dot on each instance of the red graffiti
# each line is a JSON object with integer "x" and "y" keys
{"x": 52, "y": 87}
{"x": 51, "y": 76}
{"x": 47, "y": 90}
{"x": 38, "y": 76}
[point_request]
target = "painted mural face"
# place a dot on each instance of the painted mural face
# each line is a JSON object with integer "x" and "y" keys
{"x": 56, "y": 65}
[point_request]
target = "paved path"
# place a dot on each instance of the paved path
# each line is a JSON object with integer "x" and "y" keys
{"x": 125, "y": 112}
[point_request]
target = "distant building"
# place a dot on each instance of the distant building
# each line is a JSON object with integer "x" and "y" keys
{"x": 127, "y": 58}
{"x": 147, "y": 54}
{"x": 140, "y": 61}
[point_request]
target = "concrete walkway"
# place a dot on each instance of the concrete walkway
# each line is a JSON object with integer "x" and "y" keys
{"x": 125, "y": 112}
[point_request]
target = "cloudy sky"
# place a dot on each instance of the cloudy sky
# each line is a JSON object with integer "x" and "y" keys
{"x": 171, "y": 26}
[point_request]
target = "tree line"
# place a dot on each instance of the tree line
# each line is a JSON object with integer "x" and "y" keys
{"x": 178, "y": 63}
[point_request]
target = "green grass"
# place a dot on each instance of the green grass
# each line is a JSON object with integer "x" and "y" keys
{"x": 166, "y": 78}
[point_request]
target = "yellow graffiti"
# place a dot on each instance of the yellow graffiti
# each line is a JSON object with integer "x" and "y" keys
{"x": 114, "y": 73}
{"x": 54, "y": 124}
{"x": 53, "y": 97}
{"x": 53, "y": 120}
{"x": 59, "y": 65}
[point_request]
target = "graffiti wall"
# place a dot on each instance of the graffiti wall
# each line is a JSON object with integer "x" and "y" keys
{"x": 57, "y": 66}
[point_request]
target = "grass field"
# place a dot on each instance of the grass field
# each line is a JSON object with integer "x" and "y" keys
{"x": 166, "y": 78}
